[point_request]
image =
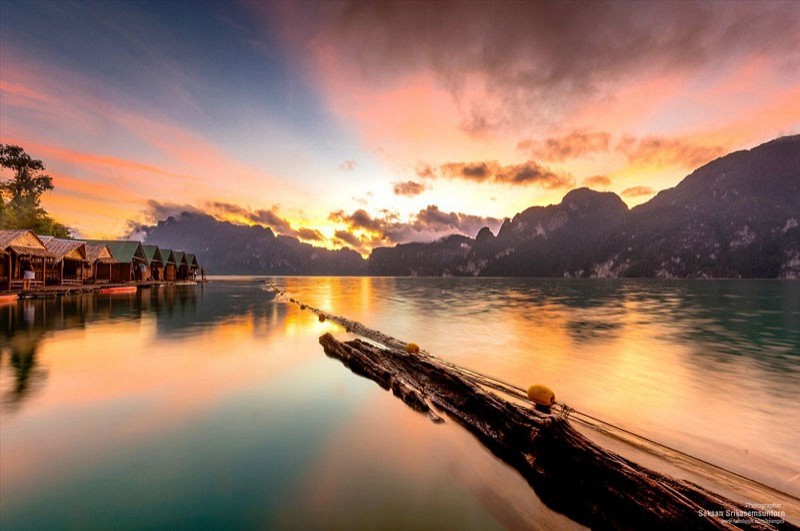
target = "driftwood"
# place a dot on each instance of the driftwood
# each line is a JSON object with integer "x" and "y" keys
{"x": 570, "y": 474}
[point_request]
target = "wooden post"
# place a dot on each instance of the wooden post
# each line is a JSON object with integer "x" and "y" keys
{"x": 61, "y": 274}
{"x": 9, "y": 271}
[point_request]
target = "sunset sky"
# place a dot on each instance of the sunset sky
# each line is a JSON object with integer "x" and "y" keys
{"x": 368, "y": 124}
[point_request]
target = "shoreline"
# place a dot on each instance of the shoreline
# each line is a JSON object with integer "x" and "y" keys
{"x": 49, "y": 292}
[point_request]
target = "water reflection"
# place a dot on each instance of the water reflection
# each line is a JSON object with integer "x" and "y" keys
{"x": 224, "y": 383}
{"x": 707, "y": 366}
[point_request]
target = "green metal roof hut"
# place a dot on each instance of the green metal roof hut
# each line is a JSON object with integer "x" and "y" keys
{"x": 170, "y": 271}
{"x": 68, "y": 261}
{"x": 181, "y": 265}
{"x": 21, "y": 249}
{"x": 155, "y": 262}
{"x": 194, "y": 265}
{"x": 128, "y": 257}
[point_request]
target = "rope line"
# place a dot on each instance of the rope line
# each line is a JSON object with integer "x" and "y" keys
{"x": 518, "y": 392}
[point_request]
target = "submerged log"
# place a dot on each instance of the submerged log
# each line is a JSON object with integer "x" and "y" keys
{"x": 568, "y": 472}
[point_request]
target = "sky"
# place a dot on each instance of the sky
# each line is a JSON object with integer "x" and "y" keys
{"x": 366, "y": 124}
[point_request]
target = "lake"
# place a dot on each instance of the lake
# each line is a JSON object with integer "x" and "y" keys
{"x": 214, "y": 406}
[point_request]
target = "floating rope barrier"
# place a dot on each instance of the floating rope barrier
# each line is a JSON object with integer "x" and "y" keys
{"x": 385, "y": 341}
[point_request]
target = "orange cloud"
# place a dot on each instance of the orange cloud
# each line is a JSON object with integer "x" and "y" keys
{"x": 638, "y": 191}
{"x": 660, "y": 151}
{"x": 575, "y": 144}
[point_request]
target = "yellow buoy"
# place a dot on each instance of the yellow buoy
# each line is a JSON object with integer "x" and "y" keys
{"x": 412, "y": 348}
{"x": 541, "y": 395}
{"x": 322, "y": 318}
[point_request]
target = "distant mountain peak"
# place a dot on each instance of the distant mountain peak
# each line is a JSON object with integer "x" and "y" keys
{"x": 738, "y": 215}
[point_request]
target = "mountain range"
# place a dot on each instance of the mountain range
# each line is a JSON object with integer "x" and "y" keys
{"x": 737, "y": 216}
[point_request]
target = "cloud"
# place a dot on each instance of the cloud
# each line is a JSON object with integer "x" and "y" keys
{"x": 359, "y": 219}
{"x": 597, "y": 180}
{"x": 348, "y": 165}
{"x": 638, "y": 191}
{"x": 386, "y": 227}
{"x": 515, "y": 62}
{"x": 408, "y": 188}
{"x": 348, "y": 238}
{"x": 157, "y": 210}
{"x": 154, "y": 212}
{"x": 526, "y": 173}
{"x": 307, "y": 234}
{"x": 647, "y": 150}
{"x": 667, "y": 151}
{"x": 572, "y": 145}
{"x": 266, "y": 217}
{"x": 425, "y": 170}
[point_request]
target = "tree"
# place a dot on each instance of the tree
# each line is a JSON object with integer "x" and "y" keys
{"x": 20, "y": 196}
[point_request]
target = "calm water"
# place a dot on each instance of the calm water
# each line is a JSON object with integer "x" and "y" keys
{"x": 215, "y": 406}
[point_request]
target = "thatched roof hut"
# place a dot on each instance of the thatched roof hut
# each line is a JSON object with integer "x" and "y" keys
{"x": 100, "y": 263}
{"x": 67, "y": 261}
{"x": 22, "y": 242}
{"x": 98, "y": 252}
{"x": 21, "y": 249}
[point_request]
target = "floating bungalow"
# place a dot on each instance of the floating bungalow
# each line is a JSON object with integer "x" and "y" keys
{"x": 128, "y": 258}
{"x": 100, "y": 263}
{"x": 170, "y": 269}
{"x": 155, "y": 262}
{"x": 191, "y": 260}
{"x": 181, "y": 266}
{"x": 21, "y": 250}
{"x": 67, "y": 262}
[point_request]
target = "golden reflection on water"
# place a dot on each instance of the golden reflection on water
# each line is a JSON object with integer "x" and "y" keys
{"x": 86, "y": 379}
{"x": 629, "y": 359}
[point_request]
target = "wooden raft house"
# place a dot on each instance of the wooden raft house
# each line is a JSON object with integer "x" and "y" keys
{"x": 170, "y": 270}
{"x": 155, "y": 262}
{"x": 128, "y": 255}
{"x": 181, "y": 266}
{"x": 20, "y": 249}
{"x": 100, "y": 263}
{"x": 193, "y": 265}
{"x": 67, "y": 262}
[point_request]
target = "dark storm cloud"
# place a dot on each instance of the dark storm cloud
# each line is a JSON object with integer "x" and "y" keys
{"x": 408, "y": 188}
{"x": 540, "y": 57}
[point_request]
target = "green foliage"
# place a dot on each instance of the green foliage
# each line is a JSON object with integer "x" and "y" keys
{"x": 20, "y": 195}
